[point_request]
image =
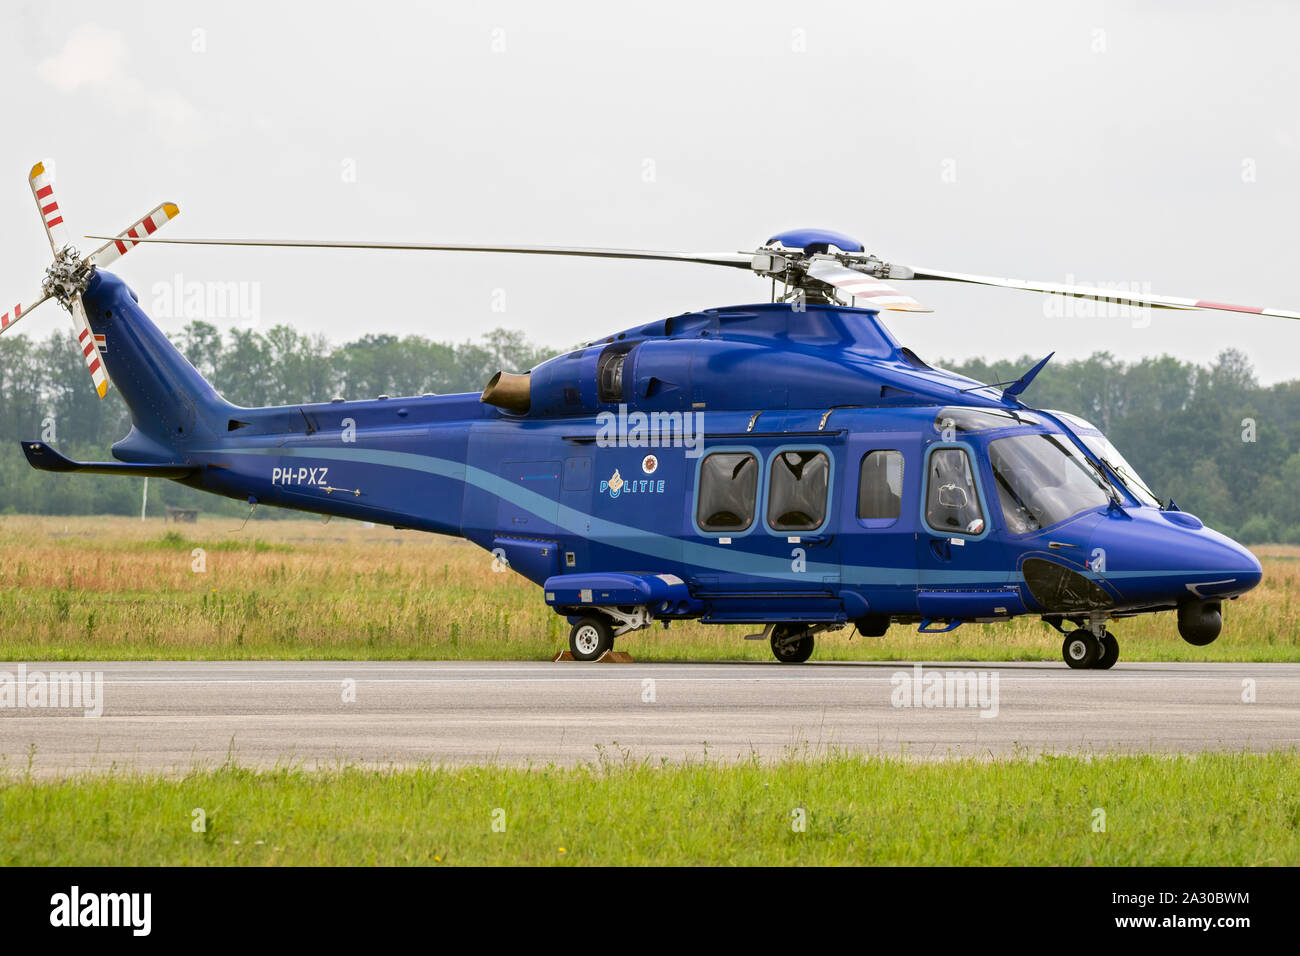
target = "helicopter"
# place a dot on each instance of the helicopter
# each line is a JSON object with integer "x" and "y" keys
{"x": 786, "y": 464}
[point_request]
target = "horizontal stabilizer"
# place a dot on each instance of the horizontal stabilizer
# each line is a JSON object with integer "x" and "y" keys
{"x": 44, "y": 458}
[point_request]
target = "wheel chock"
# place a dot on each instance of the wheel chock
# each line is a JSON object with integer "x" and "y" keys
{"x": 609, "y": 657}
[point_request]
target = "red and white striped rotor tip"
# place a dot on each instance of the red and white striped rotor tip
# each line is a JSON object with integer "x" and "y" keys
{"x": 41, "y": 179}
{"x": 115, "y": 248}
{"x": 19, "y": 310}
{"x": 89, "y": 347}
{"x": 1135, "y": 298}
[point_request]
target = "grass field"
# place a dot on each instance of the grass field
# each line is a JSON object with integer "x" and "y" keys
{"x": 117, "y": 588}
{"x": 1220, "y": 809}
{"x": 81, "y": 588}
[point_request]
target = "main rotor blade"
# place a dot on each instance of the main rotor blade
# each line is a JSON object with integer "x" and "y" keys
{"x": 1102, "y": 295}
{"x": 18, "y": 311}
{"x": 126, "y": 240}
{"x": 876, "y": 294}
{"x": 734, "y": 260}
{"x": 42, "y": 183}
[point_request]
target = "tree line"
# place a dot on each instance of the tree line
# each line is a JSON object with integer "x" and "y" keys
{"x": 1211, "y": 437}
{"x": 1223, "y": 446}
{"x": 45, "y": 393}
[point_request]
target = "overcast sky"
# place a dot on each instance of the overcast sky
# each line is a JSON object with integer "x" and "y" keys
{"x": 1154, "y": 144}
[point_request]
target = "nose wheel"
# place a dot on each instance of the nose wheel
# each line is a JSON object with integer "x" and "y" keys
{"x": 1084, "y": 650}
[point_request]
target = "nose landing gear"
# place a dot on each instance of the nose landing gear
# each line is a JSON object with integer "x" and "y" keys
{"x": 1084, "y": 649}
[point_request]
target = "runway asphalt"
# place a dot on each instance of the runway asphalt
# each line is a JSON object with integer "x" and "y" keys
{"x": 171, "y": 716}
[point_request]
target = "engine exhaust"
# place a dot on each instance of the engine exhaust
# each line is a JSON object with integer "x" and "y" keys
{"x": 509, "y": 391}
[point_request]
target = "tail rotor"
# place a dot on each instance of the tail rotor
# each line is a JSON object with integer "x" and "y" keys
{"x": 70, "y": 273}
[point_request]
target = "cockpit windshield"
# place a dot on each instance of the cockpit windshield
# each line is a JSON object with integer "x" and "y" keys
{"x": 1042, "y": 479}
{"x": 1102, "y": 448}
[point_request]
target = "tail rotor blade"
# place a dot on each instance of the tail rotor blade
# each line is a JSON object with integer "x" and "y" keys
{"x": 20, "y": 310}
{"x": 89, "y": 348}
{"x": 42, "y": 183}
{"x": 115, "y": 248}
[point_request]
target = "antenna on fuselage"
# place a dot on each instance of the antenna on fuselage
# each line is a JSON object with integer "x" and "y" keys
{"x": 1016, "y": 385}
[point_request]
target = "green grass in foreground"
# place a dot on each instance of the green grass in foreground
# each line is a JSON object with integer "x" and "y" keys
{"x": 1226, "y": 809}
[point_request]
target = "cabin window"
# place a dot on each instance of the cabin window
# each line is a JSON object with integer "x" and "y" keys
{"x": 797, "y": 491}
{"x": 880, "y": 486}
{"x": 728, "y": 491}
{"x": 952, "y": 503}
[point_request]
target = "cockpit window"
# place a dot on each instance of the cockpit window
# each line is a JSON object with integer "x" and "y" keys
{"x": 956, "y": 419}
{"x": 1102, "y": 448}
{"x": 1076, "y": 422}
{"x": 1043, "y": 479}
{"x": 952, "y": 503}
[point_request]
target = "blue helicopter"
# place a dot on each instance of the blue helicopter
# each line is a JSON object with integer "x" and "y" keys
{"x": 786, "y": 464}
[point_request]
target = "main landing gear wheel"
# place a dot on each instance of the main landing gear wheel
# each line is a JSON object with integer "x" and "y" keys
{"x": 1083, "y": 650}
{"x": 590, "y": 637}
{"x": 791, "y": 644}
{"x": 1109, "y": 652}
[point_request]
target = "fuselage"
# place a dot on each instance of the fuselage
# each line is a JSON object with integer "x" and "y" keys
{"x": 875, "y": 537}
{"x": 779, "y": 463}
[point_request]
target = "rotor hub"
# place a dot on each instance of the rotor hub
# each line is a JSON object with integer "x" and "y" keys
{"x": 68, "y": 276}
{"x": 816, "y": 267}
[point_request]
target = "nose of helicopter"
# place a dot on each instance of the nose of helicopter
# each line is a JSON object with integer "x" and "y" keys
{"x": 1158, "y": 557}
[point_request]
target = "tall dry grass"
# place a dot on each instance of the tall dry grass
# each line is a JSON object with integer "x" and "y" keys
{"x": 111, "y": 588}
